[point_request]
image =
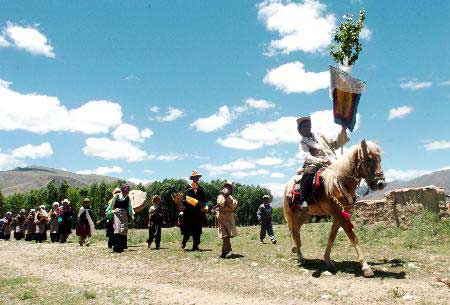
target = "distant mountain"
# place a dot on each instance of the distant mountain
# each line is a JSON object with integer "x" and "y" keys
{"x": 437, "y": 178}
{"x": 24, "y": 179}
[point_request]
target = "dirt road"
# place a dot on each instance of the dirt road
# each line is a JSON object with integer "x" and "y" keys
{"x": 173, "y": 276}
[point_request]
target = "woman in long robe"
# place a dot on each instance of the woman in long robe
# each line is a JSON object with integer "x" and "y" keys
{"x": 53, "y": 222}
{"x": 120, "y": 211}
{"x": 20, "y": 225}
{"x": 85, "y": 225}
{"x": 226, "y": 223}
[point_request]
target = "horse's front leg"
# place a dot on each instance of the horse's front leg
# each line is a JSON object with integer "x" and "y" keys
{"x": 331, "y": 239}
{"x": 367, "y": 270}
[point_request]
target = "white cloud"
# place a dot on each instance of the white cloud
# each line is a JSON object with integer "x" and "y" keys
{"x": 269, "y": 161}
{"x": 102, "y": 170}
{"x": 139, "y": 180}
{"x": 257, "y": 135}
{"x": 400, "y": 112}
{"x": 435, "y": 145}
{"x": 445, "y": 83}
{"x": 41, "y": 113}
{"x": 154, "y": 109}
{"x": 214, "y": 122}
{"x": 409, "y": 174}
{"x": 234, "y": 166}
{"x": 277, "y": 175}
{"x": 15, "y": 158}
{"x": 114, "y": 150}
{"x": 259, "y": 104}
{"x": 3, "y": 42}
{"x": 235, "y": 141}
{"x": 33, "y": 151}
{"x": 404, "y": 175}
{"x": 243, "y": 174}
{"x": 301, "y": 26}
{"x": 365, "y": 34}
{"x": 280, "y": 131}
{"x": 277, "y": 189}
{"x": 323, "y": 122}
{"x": 415, "y": 85}
{"x": 292, "y": 78}
{"x": 171, "y": 115}
{"x": 8, "y": 162}
{"x": 29, "y": 39}
{"x": 242, "y": 167}
{"x": 128, "y": 132}
{"x": 170, "y": 157}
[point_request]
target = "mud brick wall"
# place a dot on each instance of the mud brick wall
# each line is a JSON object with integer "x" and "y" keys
{"x": 400, "y": 206}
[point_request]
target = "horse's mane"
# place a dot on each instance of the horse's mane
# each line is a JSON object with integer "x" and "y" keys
{"x": 344, "y": 165}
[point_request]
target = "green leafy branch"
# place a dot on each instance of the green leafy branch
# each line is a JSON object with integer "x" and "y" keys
{"x": 346, "y": 47}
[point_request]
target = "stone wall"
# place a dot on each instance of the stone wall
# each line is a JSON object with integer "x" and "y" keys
{"x": 400, "y": 206}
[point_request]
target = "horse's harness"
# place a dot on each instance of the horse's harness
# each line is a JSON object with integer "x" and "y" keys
{"x": 365, "y": 167}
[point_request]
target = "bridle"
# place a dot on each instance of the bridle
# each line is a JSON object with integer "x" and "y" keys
{"x": 366, "y": 167}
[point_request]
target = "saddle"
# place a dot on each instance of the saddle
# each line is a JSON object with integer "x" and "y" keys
{"x": 295, "y": 191}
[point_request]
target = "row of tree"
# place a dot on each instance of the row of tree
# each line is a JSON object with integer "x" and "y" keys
{"x": 248, "y": 196}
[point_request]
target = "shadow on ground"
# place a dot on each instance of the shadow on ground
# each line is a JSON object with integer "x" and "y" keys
{"x": 352, "y": 267}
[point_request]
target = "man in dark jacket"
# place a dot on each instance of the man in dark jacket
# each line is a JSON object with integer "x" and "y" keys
{"x": 193, "y": 202}
{"x": 264, "y": 215}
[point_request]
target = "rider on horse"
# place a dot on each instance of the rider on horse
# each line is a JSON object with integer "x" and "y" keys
{"x": 318, "y": 151}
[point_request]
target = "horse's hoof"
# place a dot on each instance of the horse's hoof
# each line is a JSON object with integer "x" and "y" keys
{"x": 330, "y": 265}
{"x": 368, "y": 272}
{"x": 301, "y": 261}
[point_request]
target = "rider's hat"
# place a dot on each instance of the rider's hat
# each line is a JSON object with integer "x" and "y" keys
{"x": 302, "y": 119}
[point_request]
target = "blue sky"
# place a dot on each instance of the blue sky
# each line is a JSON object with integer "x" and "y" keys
{"x": 146, "y": 90}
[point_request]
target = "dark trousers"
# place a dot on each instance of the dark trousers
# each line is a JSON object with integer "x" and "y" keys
{"x": 18, "y": 235}
{"x": 306, "y": 183}
{"x": 54, "y": 237}
{"x": 119, "y": 242}
{"x": 29, "y": 236}
{"x": 266, "y": 226}
{"x": 63, "y": 237}
{"x": 154, "y": 233}
{"x": 39, "y": 237}
{"x": 195, "y": 240}
{"x": 7, "y": 236}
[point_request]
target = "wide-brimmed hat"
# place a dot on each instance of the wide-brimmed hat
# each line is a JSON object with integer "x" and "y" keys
{"x": 55, "y": 204}
{"x": 116, "y": 190}
{"x": 303, "y": 119}
{"x": 22, "y": 211}
{"x": 195, "y": 174}
{"x": 42, "y": 206}
{"x": 32, "y": 210}
{"x": 66, "y": 201}
{"x": 86, "y": 200}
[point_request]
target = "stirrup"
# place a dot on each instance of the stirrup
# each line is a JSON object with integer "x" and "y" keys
{"x": 304, "y": 206}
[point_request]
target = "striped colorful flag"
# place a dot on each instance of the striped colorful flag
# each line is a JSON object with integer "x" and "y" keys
{"x": 345, "y": 91}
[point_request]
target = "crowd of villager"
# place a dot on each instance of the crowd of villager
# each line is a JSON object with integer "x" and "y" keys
{"x": 192, "y": 205}
{"x": 59, "y": 220}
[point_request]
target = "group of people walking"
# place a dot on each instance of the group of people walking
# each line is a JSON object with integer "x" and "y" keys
{"x": 34, "y": 225}
{"x": 59, "y": 220}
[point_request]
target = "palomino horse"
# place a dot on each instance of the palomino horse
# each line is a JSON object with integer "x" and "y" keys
{"x": 340, "y": 180}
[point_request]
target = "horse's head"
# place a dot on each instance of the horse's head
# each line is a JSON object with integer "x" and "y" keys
{"x": 368, "y": 165}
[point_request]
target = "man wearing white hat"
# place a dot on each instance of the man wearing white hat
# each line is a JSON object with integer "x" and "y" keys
{"x": 318, "y": 151}
{"x": 194, "y": 202}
